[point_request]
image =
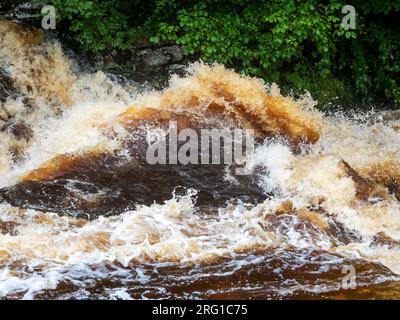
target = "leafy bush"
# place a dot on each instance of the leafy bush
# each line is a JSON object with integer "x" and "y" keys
{"x": 298, "y": 44}
{"x": 99, "y": 25}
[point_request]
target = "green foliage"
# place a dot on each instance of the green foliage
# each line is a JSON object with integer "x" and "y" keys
{"x": 259, "y": 36}
{"x": 300, "y": 44}
{"x": 103, "y": 24}
{"x": 96, "y": 25}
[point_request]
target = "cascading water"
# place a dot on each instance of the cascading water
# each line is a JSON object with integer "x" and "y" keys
{"x": 82, "y": 215}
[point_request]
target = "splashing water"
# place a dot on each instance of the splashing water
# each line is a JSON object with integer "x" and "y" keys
{"x": 83, "y": 216}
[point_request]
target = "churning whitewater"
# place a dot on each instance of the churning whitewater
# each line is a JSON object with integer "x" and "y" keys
{"x": 82, "y": 215}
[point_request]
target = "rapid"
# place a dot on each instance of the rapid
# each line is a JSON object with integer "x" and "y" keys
{"x": 83, "y": 216}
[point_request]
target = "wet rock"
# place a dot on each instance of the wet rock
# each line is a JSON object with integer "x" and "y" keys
{"x": 105, "y": 61}
{"x": 154, "y": 58}
{"x": 179, "y": 69}
{"x": 109, "y": 63}
{"x": 26, "y": 12}
{"x": 8, "y": 227}
{"x": 146, "y": 65}
{"x": 161, "y": 56}
{"x": 174, "y": 53}
{"x": 387, "y": 174}
{"x": 7, "y": 5}
{"x": 6, "y": 85}
{"x": 101, "y": 185}
{"x": 365, "y": 188}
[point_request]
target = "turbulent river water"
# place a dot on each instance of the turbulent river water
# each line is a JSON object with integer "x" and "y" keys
{"x": 83, "y": 215}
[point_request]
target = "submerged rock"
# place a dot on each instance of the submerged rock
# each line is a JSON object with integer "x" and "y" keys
{"x": 93, "y": 185}
{"x": 215, "y": 96}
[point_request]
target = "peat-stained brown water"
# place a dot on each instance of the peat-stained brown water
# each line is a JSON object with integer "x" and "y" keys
{"x": 83, "y": 215}
{"x": 268, "y": 275}
{"x": 107, "y": 184}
